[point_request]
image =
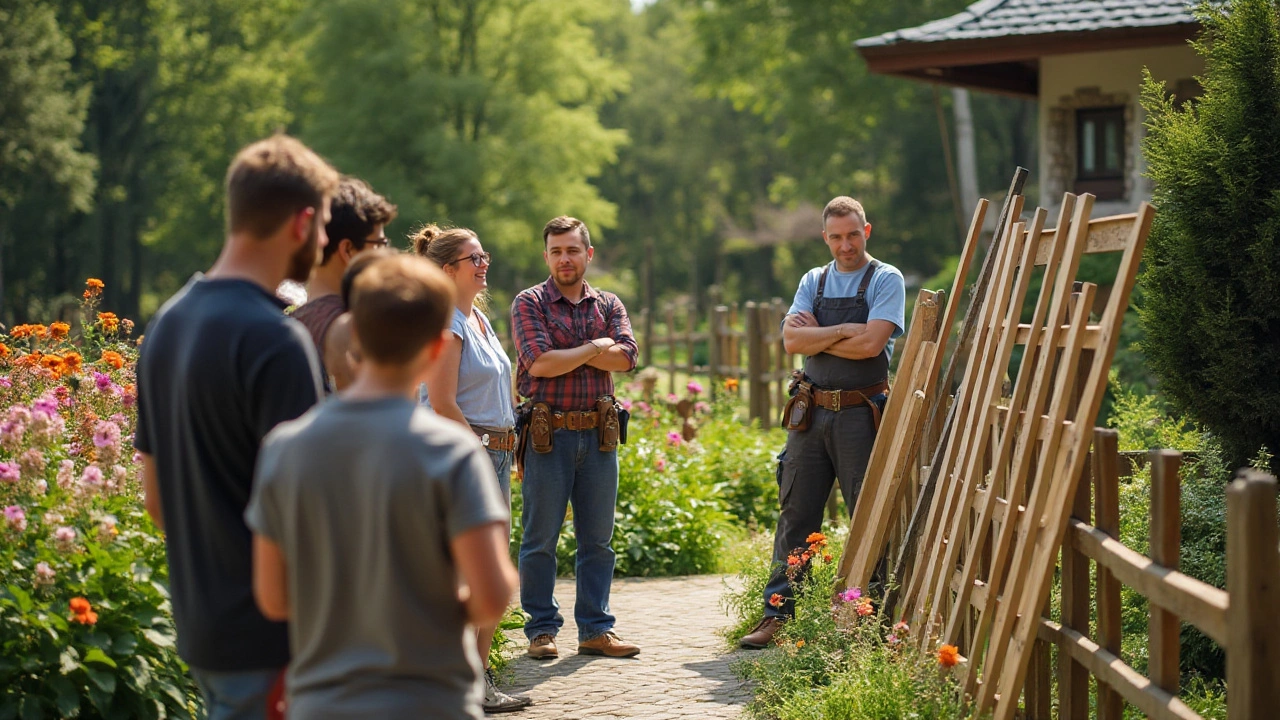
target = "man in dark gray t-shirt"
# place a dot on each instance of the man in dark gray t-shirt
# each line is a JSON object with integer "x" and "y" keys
{"x": 220, "y": 366}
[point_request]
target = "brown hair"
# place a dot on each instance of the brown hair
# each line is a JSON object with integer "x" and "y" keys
{"x": 440, "y": 246}
{"x": 399, "y": 304}
{"x": 356, "y": 210}
{"x": 564, "y": 224}
{"x": 843, "y": 206}
{"x": 273, "y": 179}
{"x": 358, "y": 265}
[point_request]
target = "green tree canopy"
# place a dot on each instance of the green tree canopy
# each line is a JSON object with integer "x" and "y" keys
{"x": 1212, "y": 264}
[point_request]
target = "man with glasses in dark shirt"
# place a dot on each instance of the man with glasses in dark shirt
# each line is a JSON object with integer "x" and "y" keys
{"x": 360, "y": 218}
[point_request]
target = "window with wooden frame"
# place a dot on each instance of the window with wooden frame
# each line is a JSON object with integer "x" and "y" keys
{"x": 1100, "y": 149}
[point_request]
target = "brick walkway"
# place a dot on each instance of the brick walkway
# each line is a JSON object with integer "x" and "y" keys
{"x": 682, "y": 670}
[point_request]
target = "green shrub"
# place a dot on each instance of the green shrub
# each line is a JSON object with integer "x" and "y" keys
{"x": 1212, "y": 263}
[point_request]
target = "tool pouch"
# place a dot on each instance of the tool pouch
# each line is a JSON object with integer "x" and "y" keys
{"x": 799, "y": 409}
{"x": 540, "y": 430}
{"x": 608, "y": 427}
{"x": 523, "y": 411}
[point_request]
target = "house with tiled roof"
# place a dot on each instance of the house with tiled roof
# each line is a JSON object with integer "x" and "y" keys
{"x": 1081, "y": 60}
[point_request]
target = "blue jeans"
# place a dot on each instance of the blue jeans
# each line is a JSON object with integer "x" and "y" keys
{"x": 235, "y": 695}
{"x": 575, "y": 471}
{"x": 501, "y": 460}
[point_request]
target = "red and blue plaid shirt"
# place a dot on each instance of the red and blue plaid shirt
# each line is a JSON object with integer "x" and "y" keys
{"x": 543, "y": 319}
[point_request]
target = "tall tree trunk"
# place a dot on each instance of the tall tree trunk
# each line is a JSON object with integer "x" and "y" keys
{"x": 966, "y": 149}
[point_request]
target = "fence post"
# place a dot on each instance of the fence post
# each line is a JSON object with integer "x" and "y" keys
{"x": 1073, "y": 678}
{"x": 1106, "y": 510}
{"x": 690, "y": 331}
{"x": 1166, "y": 540}
{"x": 646, "y": 329}
{"x": 671, "y": 349}
{"x": 715, "y": 350}
{"x": 1253, "y": 584}
{"x": 754, "y": 369}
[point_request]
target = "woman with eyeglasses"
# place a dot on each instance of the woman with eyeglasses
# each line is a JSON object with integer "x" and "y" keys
{"x": 472, "y": 383}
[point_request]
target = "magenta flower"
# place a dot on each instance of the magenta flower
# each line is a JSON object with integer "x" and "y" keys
{"x": 9, "y": 472}
{"x": 11, "y": 433}
{"x": 47, "y": 404}
{"x": 6, "y": 382}
{"x": 102, "y": 380}
{"x": 674, "y": 438}
{"x": 694, "y": 387}
{"x": 850, "y": 595}
{"x": 661, "y": 464}
{"x": 625, "y": 403}
{"x": 644, "y": 407}
{"x": 15, "y": 517}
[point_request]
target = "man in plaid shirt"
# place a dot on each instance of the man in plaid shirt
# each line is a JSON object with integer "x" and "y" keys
{"x": 570, "y": 337}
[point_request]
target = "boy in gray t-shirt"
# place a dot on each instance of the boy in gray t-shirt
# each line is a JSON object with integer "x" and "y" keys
{"x": 369, "y": 512}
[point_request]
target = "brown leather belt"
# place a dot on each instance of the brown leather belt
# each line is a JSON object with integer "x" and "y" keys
{"x": 499, "y": 440}
{"x": 837, "y": 400}
{"x": 575, "y": 420}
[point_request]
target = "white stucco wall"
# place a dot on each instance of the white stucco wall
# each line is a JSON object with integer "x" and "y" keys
{"x": 1117, "y": 71}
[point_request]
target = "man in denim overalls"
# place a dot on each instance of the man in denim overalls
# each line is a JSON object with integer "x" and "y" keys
{"x": 844, "y": 319}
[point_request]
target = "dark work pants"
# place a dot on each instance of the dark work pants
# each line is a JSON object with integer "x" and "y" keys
{"x": 836, "y": 446}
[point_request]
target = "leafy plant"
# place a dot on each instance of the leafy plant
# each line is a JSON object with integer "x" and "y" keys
{"x": 85, "y": 626}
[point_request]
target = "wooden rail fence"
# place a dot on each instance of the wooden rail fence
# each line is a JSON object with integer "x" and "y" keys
{"x": 730, "y": 332}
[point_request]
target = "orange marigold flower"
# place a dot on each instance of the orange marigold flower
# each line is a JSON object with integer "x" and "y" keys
{"x": 109, "y": 322}
{"x": 31, "y": 359}
{"x": 800, "y": 643}
{"x": 865, "y": 609}
{"x": 113, "y": 358}
{"x": 817, "y": 537}
{"x": 827, "y": 557}
{"x": 52, "y": 363}
{"x": 793, "y": 560}
{"x": 804, "y": 557}
{"x": 4, "y": 351}
{"x": 89, "y": 618}
{"x": 17, "y": 332}
{"x": 59, "y": 330}
{"x": 80, "y": 605}
{"x": 92, "y": 288}
{"x": 39, "y": 331}
{"x": 776, "y": 600}
{"x": 72, "y": 361}
{"x": 948, "y": 656}
{"x": 731, "y": 384}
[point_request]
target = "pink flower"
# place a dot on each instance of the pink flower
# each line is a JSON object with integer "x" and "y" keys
{"x": 11, "y": 432}
{"x": 66, "y": 472}
{"x": 106, "y": 434}
{"x": 661, "y": 464}
{"x": 46, "y": 403}
{"x": 644, "y": 407}
{"x": 850, "y": 595}
{"x": 91, "y": 477}
{"x": 44, "y": 574}
{"x": 694, "y": 387}
{"x": 9, "y": 472}
{"x": 46, "y": 426}
{"x": 16, "y": 517}
{"x": 701, "y": 407}
{"x": 625, "y": 403}
{"x": 64, "y": 537}
{"x": 6, "y": 382}
{"x": 671, "y": 398}
{"x": 102, "y": 381}
{"x": 32, "y": 462}
{"x": 674, "y": 438}
{"x": 901, "y": 627}
{"x": 892, "y": 639}
{"x": 42, "y": 487}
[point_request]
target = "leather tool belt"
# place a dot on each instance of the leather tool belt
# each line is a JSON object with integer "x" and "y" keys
{"x": 575, "y": 420}
{"x": 837, "y": 400}
{"x": 500, "y": 440}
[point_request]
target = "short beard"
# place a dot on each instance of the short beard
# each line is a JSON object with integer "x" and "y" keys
{"x": 303, "y": 262}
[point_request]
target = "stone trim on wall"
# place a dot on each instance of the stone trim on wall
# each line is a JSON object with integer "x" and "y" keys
{"x": 1060, "y": 139}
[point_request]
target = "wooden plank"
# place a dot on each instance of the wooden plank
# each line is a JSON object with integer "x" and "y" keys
{"x": 1091, "y": 335}
{"x": 1050, "y": 512}
{"x": 1253, "y": 579}
{"x": 1076, "y": 598}
{"x": 921, "y": 594}
{"x": 1199, "y": 603}
{"x": 1106, "y": 234}
{"x": 1012, "y": 298}
{"x": 1106, "y": 510}
{"x": 1015, "y": 542}
{"x": 1110, "y": 669}
{"x": 1030, "y": 394}
{"x": 1163, "y": 647}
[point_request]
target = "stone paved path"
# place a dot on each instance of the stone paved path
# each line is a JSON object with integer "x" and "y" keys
{"x": 682, "y": 670}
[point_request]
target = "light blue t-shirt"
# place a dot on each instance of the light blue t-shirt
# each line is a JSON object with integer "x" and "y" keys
{"x": 484, "y": 376}
{"x": 886, "y": 295}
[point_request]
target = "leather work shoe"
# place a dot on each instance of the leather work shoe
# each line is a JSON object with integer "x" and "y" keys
{"x": 609, "y": 645}
{"x": 762, "y": 636}
{"x": 543, "y": 647}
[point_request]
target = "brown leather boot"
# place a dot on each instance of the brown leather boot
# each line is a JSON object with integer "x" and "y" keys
{"x": 609, "y": 645}
{"x": 762, "y": 636}
{"x": 543, "y": 647}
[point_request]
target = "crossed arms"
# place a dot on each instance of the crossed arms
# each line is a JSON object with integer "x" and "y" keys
{"x": 614, "y": 352}
{"x": 853, "y": 341}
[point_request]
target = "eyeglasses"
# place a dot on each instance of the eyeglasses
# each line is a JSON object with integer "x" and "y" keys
{"x": 479, "y": 259}
{"x": 378, "y": 242}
